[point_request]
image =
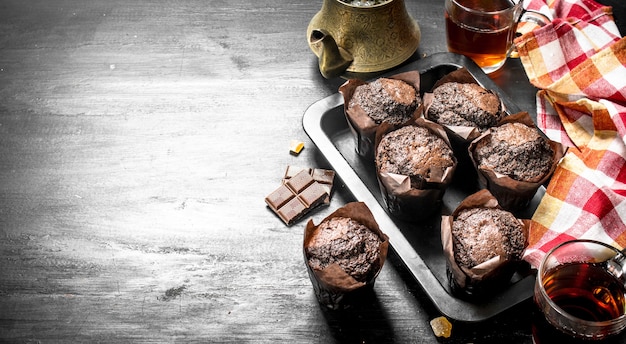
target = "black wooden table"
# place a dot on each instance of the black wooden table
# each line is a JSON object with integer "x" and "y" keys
{"x": 138, "y": 140}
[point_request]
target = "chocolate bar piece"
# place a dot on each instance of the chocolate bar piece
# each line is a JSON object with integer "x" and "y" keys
{"x": 322, "y": 176}
{"x": 296, "y": 197}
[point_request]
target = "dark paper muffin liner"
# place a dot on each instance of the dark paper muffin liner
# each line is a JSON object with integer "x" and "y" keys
{"x": 362, "y": 126}
{"x": 483, "y": 279}
{"x": 335, "y": 288}
{"x": 404, "y": 201}
{"x": 513, "y": 194}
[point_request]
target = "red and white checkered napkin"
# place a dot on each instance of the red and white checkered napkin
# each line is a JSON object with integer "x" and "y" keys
{"x": 579, "y": 64}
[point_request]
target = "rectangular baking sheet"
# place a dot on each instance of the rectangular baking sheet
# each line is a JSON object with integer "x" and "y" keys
{"x": 417, "y": 245}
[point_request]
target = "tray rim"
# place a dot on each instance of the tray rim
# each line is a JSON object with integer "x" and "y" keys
{"x": 452, "y": 307}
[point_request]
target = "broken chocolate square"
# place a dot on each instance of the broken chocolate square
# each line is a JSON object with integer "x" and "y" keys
{"x": 296, "y": 197}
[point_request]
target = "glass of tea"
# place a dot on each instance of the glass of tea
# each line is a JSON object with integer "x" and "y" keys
{"x": 581, "y": 289}
{"x": 483, "y": 30}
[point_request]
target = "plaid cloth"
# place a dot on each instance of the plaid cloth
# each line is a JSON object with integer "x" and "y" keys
{"x": 578, "y": 62}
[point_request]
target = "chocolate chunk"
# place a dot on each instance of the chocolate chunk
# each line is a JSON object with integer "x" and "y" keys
{"x": 299, "y": 182}
{"x": 291, "y": 211}
{"x": 279, "y": 197}
{"x": 296, "y": 197}
{"x": 324, "y": 177}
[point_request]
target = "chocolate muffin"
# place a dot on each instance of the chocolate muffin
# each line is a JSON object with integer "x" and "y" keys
{"x": 480, "y": 234}
{"x": 344, "y": 254}
{"x": 515, "y": 150}
{"x": 414, "y": 165}
{"x": 347, "y": 243}
{"x": 465, "y": 104}
{"x": 386, "y": 99}
{"x": 395, "y": 99}
{"x": 513, "y": 160}
{"x": 415, "y": 152}
{"x": 483, "y": 245}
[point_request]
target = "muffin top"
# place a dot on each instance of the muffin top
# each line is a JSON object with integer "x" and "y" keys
{"x": 348, "y": 243}
{"x": 465, "y": 104}
{"x": 386, "y": 99}
{"x": 515, "y": 150}
{"x": 413, "y": 151}
{"x": 480, "y": 234}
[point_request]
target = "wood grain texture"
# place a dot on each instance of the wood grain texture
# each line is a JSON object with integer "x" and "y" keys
{"x": 138, "y": 140}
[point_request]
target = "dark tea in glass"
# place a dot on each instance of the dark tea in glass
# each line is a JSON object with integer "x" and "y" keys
{"x": 586, "y": 291}
{"x": 581, "y": 289}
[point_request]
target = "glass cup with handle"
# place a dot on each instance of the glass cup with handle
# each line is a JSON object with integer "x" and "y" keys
{"x": 581, "y": 289}
{"x": 483, "y": 30}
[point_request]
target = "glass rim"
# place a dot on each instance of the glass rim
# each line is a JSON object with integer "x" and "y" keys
{"x": 387, "y": 2}
{"x": 489, "y": 13}
{"x": 561, "y": 311}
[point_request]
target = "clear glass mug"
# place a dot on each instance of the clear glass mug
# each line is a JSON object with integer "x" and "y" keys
{"x": 483, "y": 30}
{"x": 581, "y": 289}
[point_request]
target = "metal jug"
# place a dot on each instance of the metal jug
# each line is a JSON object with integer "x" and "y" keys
{"x": 350, "y": 38}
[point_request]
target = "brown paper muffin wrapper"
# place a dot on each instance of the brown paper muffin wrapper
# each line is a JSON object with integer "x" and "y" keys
{"x": 362, "y": 126}
{"x": 334, "y": 288}
{"x": 513, "y": 194}
{"x": 403, "y": 200}
{"x": 484, "y": 278}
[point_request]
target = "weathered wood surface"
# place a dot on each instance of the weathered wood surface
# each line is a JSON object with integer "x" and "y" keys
{"x": 137, "y": 142}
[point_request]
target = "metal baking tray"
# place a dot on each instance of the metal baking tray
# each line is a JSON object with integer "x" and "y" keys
{"x": 417, "y": 245}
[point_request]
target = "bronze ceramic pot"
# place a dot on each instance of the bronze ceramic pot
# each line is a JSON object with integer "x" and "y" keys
{"x": 362, "y": 39}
